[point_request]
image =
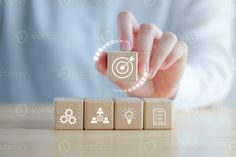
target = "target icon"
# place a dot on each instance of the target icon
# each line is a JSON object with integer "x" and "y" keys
{"x": 122, "y": 67}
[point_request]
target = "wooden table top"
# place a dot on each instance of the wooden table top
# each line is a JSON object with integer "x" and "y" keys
{"x": 27, "y": 130}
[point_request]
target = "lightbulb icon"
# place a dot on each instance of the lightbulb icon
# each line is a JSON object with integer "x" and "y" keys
{"x": 129, "y": 115}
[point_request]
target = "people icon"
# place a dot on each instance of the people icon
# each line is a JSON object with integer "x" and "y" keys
{"x": 94, "y": 120}
{"x": 100, "y": 111}
{"x": 106, "y": 121}
{"x": 100, "y": 117}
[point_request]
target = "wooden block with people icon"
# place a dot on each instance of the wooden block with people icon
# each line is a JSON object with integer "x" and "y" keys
{"x": 118, "y": 113}
{"x": 122, "y": 66}
{"x": 99, "y": 114}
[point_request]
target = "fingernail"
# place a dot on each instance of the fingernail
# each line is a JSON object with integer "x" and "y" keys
{"x": 126, "y": 46}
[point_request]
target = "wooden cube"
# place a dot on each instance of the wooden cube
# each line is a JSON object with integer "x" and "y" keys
{"x": 122, "y": 66}
{"x": 157, "y": 113}
{"x": 68, "y": 113}
{"x": 98, "y": 114}
{"x": 128, "y": 113}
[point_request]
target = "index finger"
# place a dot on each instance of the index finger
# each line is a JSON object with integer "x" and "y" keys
{"x": 127, "y": 26}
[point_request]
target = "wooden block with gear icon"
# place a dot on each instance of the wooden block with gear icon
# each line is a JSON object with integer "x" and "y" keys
{"x": 68, "y": 114}
{"x": 99, "y": 114}
{"x": 122, "y": 66}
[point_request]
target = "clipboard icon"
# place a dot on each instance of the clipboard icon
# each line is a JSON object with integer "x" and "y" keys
{"x": 159, "y": 116}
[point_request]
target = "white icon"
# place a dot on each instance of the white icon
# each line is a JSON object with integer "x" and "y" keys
{"x": 129, "y": 115}
{"x": 123, "y": 67}
{"x": 159, "y": 116}
{"x": 100, "y": 118}
{"x": 68, "y": 117}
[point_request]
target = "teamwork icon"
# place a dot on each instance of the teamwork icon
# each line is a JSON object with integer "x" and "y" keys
{"x": 128, "y": 114}
{"x": 68, "y": 117}
{"x": 100, "y": 118}
{"x": 159, "y": 116}
{"x": 123, "y": 67}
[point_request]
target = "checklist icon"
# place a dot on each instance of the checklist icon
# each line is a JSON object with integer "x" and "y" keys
{"x": 159, "y": 116}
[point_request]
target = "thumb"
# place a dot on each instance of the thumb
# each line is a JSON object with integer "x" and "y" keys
{"x": 101, "y": 63}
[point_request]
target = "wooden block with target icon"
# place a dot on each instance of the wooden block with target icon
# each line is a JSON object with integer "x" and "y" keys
{"x": 68, "y": 114}
{"x": 122, "y": 66}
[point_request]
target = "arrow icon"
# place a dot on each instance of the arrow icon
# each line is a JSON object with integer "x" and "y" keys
{"x": 131, "y": 59}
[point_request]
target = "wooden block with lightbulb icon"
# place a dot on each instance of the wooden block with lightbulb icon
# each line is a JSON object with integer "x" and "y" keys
{"x": 128, "y": 113}
{"x": 108, "y": 114}
{"x": 122, "y": 66}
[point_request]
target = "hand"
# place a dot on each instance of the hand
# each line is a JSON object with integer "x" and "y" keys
{"x": 161, "y": 55}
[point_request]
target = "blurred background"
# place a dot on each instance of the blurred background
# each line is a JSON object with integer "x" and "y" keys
{"x": 231, "y": 99}
{"x": 39, "y": 32}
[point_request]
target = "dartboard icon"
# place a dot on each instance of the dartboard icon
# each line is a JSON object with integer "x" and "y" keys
{"x": 122, "y": 67}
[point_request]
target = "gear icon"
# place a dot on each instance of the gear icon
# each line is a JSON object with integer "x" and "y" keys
{"x": 68, "y": 117}
{"x": 72, "y": 120}
{"x": 63, "y": 119}
{"x": 68, "y": 112}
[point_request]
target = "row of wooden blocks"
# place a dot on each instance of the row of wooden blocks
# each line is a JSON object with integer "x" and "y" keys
{"x": 108, "y": 114}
